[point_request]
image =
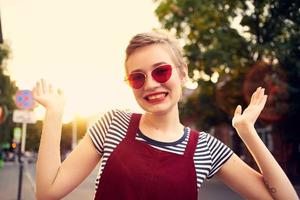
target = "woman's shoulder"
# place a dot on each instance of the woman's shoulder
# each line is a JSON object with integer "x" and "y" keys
{"x": 201, "y": 134}
{"x": 205, "y": 139}
{"x": 112, "y": 113}
{"x": 100, "y": 124}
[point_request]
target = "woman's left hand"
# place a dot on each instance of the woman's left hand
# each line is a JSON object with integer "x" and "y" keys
{"x": 251, "y": 113}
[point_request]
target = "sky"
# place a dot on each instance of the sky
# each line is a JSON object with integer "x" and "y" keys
{"x": 76, "y": 45}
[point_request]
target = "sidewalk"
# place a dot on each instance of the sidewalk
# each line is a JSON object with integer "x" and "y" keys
{"x": 9, "y": 178}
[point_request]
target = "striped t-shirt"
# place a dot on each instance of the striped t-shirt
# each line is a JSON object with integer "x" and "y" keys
{"x": 108, "y": 131}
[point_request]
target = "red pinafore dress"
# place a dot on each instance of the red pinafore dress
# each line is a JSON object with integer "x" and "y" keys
{"x": 137, "y": 171}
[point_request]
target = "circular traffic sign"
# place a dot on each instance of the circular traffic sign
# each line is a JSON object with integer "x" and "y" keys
{"x": 24, "y": 100}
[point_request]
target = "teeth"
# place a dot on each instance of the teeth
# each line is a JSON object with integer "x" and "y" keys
{"x": 156, "y": 96}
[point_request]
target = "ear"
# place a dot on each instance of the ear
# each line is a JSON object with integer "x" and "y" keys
{"x": 184, "y": 74}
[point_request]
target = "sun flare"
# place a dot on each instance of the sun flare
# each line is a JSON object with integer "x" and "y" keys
{"x": 80, "y": 49}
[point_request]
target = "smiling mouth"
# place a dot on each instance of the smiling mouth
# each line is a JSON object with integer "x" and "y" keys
{"x": 156, "y": 97}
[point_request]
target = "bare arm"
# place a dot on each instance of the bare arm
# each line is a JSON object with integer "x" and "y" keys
{"x": 236, "y": 174}
{"x": 53, "y": 178}
{"x": 271, "y": 182}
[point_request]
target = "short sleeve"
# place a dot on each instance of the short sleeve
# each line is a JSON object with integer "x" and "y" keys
{"x": 220, "y": 153}
{"x": 98, "y": 130}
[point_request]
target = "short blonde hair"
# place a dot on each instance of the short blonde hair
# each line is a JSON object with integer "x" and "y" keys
{"x": 157, "y": 37}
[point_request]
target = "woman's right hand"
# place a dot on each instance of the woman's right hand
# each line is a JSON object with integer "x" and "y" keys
{"x": 47, "y": 96}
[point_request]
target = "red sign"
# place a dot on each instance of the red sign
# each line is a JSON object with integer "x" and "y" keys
{"x": 3, "y": 113}
{"x": 24, "y": 100}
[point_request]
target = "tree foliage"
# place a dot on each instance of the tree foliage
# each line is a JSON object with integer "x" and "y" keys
{"x": 223, "y": 39}
{"x": 7, "y": 90}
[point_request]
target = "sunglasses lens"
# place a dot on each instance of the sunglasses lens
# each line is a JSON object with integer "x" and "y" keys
{"x": 162, "y": 73}
{"x": 136, "y": 80}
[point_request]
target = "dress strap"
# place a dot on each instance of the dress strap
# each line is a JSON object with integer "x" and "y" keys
{"x": 192, "y": 143}
{"x": 133, "y": 125}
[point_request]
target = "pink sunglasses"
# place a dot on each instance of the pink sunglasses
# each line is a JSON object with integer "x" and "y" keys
{"x": 161, "y": 74}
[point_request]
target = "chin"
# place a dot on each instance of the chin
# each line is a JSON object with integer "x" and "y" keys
{"x": 156, "y": 110}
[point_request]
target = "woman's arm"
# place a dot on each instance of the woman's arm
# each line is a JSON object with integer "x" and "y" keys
{"x": 53, "y": 178}
{"x": 272, "y": 182}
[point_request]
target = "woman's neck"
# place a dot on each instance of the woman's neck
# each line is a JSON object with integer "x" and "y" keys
{"x": 162, "y": 126}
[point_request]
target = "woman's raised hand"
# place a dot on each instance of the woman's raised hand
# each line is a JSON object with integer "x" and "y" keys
{"x": 251, "y": 113}
{"x": 47, "y": 96}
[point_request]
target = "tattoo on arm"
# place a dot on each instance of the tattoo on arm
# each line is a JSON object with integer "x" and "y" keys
{"x": 271, "y": 189}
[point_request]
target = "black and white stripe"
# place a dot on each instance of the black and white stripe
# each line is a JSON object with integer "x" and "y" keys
{"x": 111, "y": 129}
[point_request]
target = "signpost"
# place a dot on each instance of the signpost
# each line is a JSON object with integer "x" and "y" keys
{"x": 17, "y": 135}
{"x": 25, "y": 103}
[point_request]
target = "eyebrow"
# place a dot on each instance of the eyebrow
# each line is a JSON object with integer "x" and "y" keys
{"x": 153, "y": 66}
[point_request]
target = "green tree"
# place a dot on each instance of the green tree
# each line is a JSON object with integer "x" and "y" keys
{"x": 212, "y": 47}
{"x": 223, "y": 40}
{"x": 7, "y": 90}
{"x": 219, "y": 54}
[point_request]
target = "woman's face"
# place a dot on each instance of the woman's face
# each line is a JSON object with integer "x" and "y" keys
{"x": 155, "y": 97}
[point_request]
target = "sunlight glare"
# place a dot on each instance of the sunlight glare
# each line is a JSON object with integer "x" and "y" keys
{"x": 80, "y": 49}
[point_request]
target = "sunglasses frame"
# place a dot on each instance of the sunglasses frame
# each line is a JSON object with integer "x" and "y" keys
{"x": 145, "y": 76}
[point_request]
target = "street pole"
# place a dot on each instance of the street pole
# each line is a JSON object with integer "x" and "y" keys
{"x": 24, "y": 126}
{"x": 20, "y": 172}
{"x": 24, "y": 102}
{"x": 21, "y": 163}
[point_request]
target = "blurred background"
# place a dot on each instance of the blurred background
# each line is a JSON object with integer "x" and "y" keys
{"x": 231, "y": 48}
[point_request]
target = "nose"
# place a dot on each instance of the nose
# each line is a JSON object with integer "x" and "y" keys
{"x": 150, "y": 83}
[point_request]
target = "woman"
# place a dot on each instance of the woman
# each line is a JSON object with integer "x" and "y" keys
{"x": 153, "y": 155}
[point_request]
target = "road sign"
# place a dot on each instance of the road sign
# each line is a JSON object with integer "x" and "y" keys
{"x": 24, "y": 116}
{"x": 24, "y": 100}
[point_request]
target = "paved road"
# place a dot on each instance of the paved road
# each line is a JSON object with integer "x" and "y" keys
{"x": 9, "y": 184}
{"x": 216, "y": 190}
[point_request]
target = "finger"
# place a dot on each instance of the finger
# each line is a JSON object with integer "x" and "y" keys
{"x": 44, "y": 86}
{"x": 38, "y": 88}
{"x": 263, "y": 101}
{"x": 260, "y": 96}
{"x": 51, "y": 90}
{"x": 35, "y": 96}
{"x": 60, "y": 92}
{"x": 238, "y": 110}
{"x": 33, "y": 91}
{"x": 252, "y": 100}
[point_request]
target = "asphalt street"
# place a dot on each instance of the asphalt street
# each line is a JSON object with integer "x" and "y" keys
{"x": 9, "y": 175}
